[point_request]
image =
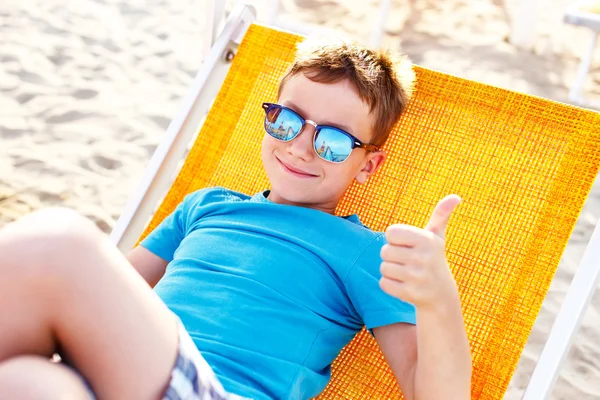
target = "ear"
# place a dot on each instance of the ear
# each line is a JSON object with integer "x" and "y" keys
{"x": 371, "y": 163}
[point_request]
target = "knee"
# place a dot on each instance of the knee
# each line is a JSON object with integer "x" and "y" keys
{"x": 47, "y": 235}
{"x": 53, "y": 221}
{"x": 52, "y": 224}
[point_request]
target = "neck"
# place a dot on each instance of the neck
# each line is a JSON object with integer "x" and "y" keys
{"x": 328, "y": 208}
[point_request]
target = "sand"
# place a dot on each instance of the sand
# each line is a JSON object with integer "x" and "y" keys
{"x": 87, "y": 89}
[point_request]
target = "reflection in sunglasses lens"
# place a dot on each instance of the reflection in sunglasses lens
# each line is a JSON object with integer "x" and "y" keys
{"x": 282, "y": 124}
{"x": 332, "y": 145}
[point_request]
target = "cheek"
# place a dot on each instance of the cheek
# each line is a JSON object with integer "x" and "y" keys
{"x": 340, "y": 176}
{"x": 267, "y": 146}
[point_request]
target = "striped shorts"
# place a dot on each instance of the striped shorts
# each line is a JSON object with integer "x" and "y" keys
{"x": 191, "y": 377}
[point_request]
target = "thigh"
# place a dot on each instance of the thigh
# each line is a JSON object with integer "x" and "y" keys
{"x": 83, "y": 293}
{"x": 35, "y": 378}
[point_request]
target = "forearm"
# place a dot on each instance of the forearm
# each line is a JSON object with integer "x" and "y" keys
{"x": 443, "y": 368}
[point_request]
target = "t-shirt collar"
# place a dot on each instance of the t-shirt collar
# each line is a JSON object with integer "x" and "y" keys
{"x": 261, "y": 197}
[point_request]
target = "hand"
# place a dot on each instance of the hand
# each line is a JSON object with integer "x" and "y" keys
{"x": 414, "y": 267}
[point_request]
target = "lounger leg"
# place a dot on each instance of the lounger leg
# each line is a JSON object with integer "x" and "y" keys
{"x": 584, "y": 67}
{"x": 214, "y": 18}
{"x": 273, "y": 10}
{"x": 384, "y": 10}
{"x": 522, "y": 32}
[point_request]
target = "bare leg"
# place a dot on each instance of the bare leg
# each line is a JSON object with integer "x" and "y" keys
{"x": 36, "y": 378}
{"x": 63, "y": 284}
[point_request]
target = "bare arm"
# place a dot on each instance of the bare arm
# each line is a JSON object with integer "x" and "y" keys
{"x": 148, "y": 264}
{"x": 398, "y": 342}
{"x": 433, "y": 359}
{"x": 444, "y": 355}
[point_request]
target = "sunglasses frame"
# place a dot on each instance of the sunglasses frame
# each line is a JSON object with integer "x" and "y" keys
{"x": 356, "y": 143}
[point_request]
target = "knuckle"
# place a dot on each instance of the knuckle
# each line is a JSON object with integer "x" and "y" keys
{"x": 384, "y": 283}
{"x": 385, "y": 251}
{"x": 395, "y": 230}
{"x": 412, "y": 273}
{"x": 421, "y": 257}
{"x": 390, "y": 287}
{"x": 387, "y": 269}
{"x": 383, "y": 268}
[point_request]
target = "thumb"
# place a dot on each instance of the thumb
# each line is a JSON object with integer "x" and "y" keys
{"x": 441, "y": 215}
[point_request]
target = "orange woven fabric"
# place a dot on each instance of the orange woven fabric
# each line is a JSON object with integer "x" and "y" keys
{"x": 523, "y": 166}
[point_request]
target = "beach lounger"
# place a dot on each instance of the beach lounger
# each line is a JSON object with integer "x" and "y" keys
{"x": 523, "y": 166}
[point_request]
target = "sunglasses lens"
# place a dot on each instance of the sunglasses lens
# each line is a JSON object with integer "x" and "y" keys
{"x": 282, "y": 124}
{"x": 332, "y": 145}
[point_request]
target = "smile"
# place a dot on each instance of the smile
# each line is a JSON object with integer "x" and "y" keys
{"x": 294, "y": 171}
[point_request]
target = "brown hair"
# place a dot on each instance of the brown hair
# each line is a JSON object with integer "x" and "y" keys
{"x": 383, "y": 81}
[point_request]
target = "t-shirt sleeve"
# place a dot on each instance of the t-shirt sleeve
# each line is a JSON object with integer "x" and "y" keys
{"x": 165, "y": 239}
{"x": 375, "y": 307}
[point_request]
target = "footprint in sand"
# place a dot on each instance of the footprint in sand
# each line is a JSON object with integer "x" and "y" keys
{"x": 100, "y": 163}
{"x": 31, "y": 77}
{"x": 161, "y": 121}
{"x": 106, "y": 162}
{"x": 68, "y": 116}
{"x": 84, "y": 94}
{"x": 25, "y": 97}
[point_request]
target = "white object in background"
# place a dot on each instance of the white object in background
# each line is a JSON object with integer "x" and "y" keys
{"x": 215, "y": 15}
{"x": 377, "y": 35}
{"x": 575, "y": 15}
{"x": 273, "y": 11}
{"x": 291, "y": 24}
{"x": 575, "y": 94}
{"x": 522, "y": 33}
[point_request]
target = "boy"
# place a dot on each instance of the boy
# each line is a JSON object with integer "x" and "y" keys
{"x": 270, "y": 287}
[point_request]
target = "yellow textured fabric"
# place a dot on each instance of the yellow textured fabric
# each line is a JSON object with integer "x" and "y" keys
{"x": 592, "y": 6}
{"x": 523, "y": 166}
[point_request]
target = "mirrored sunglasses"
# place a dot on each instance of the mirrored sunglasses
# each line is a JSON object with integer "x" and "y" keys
{"x": 330, "y": 143}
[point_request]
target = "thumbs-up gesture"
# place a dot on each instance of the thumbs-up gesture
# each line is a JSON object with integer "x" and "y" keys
{"x": 414, "y": 267}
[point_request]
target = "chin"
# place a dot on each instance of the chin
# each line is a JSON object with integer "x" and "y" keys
{"x": 294, "y": 193}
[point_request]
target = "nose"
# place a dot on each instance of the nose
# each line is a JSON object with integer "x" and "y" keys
{"x": 302, "y": 145}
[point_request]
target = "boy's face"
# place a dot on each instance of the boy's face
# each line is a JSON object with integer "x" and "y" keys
{"x": 318, "y": 183}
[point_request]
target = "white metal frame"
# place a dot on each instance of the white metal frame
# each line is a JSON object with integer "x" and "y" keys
{"x": 574, "y": 15}
{"x": 159, "y": 174}
{"x": 215, "y": 15}
{"x": 567, "y": 322}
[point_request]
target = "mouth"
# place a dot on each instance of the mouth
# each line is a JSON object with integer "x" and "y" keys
{"x": 295, "y": 171}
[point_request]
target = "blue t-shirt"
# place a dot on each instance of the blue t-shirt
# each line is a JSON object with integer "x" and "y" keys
{"x": 270, "y": 293}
